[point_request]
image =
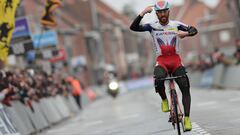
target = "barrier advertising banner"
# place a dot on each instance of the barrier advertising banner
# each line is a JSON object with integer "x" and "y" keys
{"x": 6, "y": 126}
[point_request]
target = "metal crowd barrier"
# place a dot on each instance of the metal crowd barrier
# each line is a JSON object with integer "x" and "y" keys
{"x": 219, "y": 77}
{"x": 195, "y": 78}
{"x": 72, "y": 105}
{"x": 44, "y": 114}
{"x": 19, "y": 118}
{"x": 218, "y": 74}
{"x": 231, "y": 77}
{"x": 61, "y": 107}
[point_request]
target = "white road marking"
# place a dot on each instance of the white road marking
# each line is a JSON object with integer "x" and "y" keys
{"x": 207, "y": 103}
{"x": 198, "y": 130}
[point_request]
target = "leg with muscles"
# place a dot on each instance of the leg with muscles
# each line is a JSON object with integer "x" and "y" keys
{"x": 184, "y": 86}
{"x": 160, "y": 72}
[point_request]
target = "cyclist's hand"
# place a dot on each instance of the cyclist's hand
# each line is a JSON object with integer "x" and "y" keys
{"x": 148, "y": 9}
{"x": 182, "y": 34}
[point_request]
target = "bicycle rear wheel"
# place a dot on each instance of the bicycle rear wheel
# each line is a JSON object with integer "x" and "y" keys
{"x": 176, "y": 111}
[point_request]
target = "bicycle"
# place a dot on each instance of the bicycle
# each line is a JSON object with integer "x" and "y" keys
{"x": 176, "y": 115}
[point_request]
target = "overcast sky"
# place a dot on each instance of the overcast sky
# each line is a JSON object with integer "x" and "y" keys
{"x": 139, "y": 5}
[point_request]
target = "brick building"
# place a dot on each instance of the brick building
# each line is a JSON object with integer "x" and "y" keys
{"x": 234, "y": 9}
{"x": 97, "y": 36}
{"x": 217, "y": 29}
{"x": 215, "y": 25}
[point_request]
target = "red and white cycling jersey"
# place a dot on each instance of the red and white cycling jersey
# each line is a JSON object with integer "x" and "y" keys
{"x": 166, "y": 41}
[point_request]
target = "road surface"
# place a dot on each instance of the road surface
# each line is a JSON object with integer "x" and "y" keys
{"x": 214, "y": 112}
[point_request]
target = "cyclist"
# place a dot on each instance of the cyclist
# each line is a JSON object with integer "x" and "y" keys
{"x": 166, "y": 34}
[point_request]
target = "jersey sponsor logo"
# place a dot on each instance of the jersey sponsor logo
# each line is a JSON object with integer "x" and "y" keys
{"x": 174, "y": 29}
{"x": 165, "y": 33}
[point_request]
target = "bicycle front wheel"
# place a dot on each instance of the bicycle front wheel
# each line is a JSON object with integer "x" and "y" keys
{"x": 176, "y": 111}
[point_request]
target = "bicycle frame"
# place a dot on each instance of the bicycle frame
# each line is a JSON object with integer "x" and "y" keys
{"x": 176, "y": 115}
{"x": 172, "y": 94}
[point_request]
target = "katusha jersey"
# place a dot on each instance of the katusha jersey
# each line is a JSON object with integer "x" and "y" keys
{"x": 166, "y": 41}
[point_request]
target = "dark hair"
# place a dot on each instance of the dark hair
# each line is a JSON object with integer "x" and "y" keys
{"x": 9, "y": 74}
{"x": 1, "y": 75}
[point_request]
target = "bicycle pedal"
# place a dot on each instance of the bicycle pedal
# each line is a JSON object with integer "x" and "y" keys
{"x": 170, "y": 120}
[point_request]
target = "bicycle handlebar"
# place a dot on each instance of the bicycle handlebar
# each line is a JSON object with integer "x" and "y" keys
{"x": 170, "y": 78}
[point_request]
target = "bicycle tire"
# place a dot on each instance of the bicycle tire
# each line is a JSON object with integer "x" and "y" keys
{"x": 176, "y": 111}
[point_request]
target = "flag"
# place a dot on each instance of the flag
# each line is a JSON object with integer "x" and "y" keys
{"x": 8, "y": 10}
{"x": 48, "y": 18}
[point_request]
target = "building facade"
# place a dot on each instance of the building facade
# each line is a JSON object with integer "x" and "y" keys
{"x": 95, "y": 38}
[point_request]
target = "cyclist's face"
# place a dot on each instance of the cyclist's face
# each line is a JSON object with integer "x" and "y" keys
{"x": 163, "y": 16}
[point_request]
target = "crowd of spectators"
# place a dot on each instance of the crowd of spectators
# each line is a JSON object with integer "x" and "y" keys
{"x": 237, "y": 52}
{"x": 24, "y": 85}
{"x": 31, "y": 85}
{"x": 209, "y": 60}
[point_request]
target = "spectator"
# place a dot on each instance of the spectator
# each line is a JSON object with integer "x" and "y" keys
{"x": 6, "y": 91}
{"x": 218, "y": 57}
{"x": 3, "y": 88}
{"x": 237, "y": 52}
{"x": 28, "y": 86}
{"x": 76, "y": 90}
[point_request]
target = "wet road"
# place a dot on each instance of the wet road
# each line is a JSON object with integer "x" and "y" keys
{"x": 214, "y": 112}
